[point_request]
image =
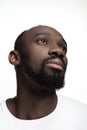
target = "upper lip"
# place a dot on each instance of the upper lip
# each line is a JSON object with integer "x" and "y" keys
{"x": 57, "y": 61}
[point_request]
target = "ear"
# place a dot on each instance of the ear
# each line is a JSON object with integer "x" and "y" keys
{"x": 14, "y": 57}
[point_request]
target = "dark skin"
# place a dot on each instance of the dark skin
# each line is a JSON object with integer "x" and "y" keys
{"x": 34, "y": 101}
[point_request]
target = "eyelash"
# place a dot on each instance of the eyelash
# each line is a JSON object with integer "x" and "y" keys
{"x": 45, "y": 42}
{"x": 63, "y": 48}
{"x": 42, "y": 41}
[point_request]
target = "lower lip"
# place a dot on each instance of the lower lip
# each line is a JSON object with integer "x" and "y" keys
{"x": 55, "y": 66}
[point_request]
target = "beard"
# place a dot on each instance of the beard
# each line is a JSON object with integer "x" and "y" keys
{"x": 53, "y": 81}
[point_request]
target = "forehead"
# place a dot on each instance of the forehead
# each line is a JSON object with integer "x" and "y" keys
{"x": 42, "y": 30}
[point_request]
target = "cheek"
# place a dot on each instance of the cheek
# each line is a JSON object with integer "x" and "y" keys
{"x": 36, "y": 57}
{"x": 66, "y": 61}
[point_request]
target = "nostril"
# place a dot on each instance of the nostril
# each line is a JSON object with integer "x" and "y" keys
{"x": 56, "y": 54}
{"x": 53, "y": 54}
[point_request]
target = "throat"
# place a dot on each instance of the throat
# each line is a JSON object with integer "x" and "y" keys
{"x": 32, "y": 109}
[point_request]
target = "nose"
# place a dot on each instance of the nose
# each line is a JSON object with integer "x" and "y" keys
{"x": 56, "y": 51}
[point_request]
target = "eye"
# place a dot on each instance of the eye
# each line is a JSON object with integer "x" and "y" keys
{"x": 42, "y": 41}
{"x": 63, "y": 48}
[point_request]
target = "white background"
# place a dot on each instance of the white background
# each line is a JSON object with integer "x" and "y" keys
{"x": 69, "y": 17}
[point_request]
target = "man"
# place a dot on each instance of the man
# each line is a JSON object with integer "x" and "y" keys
{"x": 40, "y": 61}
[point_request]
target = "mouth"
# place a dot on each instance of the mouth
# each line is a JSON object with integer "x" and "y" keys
{"x": 56, "y": 64}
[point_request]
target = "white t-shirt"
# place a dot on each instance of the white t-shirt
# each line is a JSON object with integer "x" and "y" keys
{"x": 68, "y": 115}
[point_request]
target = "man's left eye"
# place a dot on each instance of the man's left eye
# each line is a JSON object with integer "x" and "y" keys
{"x": 42, "y": 41}
{"x": 63, "y": 48}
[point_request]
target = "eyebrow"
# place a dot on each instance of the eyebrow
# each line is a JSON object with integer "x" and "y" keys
{"x": 64, "y": 41}
{"x": 41, "y": 34}
{"x": 37, "y": 34}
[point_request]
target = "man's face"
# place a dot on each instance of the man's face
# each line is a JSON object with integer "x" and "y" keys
{"x": 44, "y": 57}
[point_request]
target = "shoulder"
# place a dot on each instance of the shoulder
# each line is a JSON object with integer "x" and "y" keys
{"x": 2, "y": 112}
{"x": 72, "y": 103}
{"x": 72, "y": 111}
{"x": 72, "y": 108}
{"x": 2, "y": 106}
{"x": 70, "y": 100}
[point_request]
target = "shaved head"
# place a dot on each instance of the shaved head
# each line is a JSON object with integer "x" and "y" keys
{"x": 38, "y": 47}
{"x": 19, "y": 43}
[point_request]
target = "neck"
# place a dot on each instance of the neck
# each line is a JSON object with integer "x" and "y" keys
{"x": 33, "y": 107}
{"x": 32, "y": 102}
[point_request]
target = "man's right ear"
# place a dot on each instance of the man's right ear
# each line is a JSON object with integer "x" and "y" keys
{"x": 14, "y": 57}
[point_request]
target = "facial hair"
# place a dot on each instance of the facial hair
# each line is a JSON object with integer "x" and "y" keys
{"x": 50, "y": 81}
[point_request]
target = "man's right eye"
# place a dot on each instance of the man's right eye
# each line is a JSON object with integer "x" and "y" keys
{"x": 42, "y": 41}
